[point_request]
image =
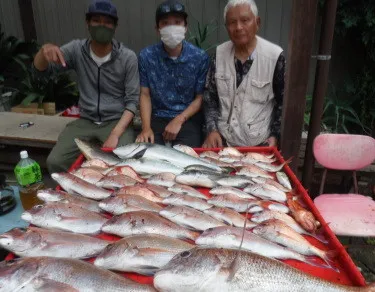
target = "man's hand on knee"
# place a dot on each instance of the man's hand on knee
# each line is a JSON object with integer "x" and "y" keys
{"x": 213, "y": 140}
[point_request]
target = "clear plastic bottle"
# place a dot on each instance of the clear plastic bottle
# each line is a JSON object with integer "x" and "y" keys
{"x": 29, "y": 177}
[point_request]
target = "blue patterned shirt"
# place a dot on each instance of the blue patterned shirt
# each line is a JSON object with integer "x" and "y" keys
{"x": 173, "y": 84}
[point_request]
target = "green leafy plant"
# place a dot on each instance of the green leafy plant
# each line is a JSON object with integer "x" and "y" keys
{"x": 199, "y": 35}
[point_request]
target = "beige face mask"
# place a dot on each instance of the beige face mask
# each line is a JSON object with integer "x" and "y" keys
{"x": 172, "y": 35}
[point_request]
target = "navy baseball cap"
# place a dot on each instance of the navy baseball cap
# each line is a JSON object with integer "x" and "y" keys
{"x": 170, "y": 7}
{"x": 104, "y": 7}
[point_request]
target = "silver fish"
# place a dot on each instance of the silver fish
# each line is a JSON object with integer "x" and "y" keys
{"x": 119, "y": 204}
{"x": 233, "y": 202}
{"x": 65, "y": 217}
{"x": 202, "y": 168}
{"x": 262, "y": 180}
{"x": 78, "y": 274}
{"x": 207, "y": 270}
{"x": 151, "y": 166}
{"x": 143, "y": 222}
{"x": 197, "y": 179}
{"x": 182, "y": 200}
{"x": 154, "y": 151}
{"x": 230, "y": 190}
{"x": 133, "y": 255}
{"x": 190, "y": 218}
{"x": 42, "y": 284}
{"x": 34, "y": 242}
{"x": 51, "y": 195}
{"x": 237, "y": 181}
{"x": 229, "y": 216}
{"x": 230, "y": 237}
{"x": 270, "y": 167}
{"x": 91, "y": 151}
{"x": 95, "y": 163}
{"x": 266, "y": 193}
{"x": 90, "y": 175}
{"x": 186, "y": 190}
{"x": 164, "y": 179}
{"x": 283, "y": 179}
{"x": 160, "y": 191}
{"x": 116, "y": 182}
{"x": 73, "y": 184}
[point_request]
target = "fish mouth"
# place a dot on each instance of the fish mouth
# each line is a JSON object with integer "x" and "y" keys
{"x": 26, "y": 216}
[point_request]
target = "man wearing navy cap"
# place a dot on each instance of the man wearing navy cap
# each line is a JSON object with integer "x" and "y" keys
{"x": 172, "y": 76}
{"x": 108, "y": 81}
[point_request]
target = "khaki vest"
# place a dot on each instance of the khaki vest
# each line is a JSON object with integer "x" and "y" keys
{"x": 246, "y": 111}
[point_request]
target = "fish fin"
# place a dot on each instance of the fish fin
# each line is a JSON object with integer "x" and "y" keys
{"x": 318, "y": 235}
{"x": 66, "y": 218}
{"x": 232, "y": 269}
{"x": 139, "y": 154}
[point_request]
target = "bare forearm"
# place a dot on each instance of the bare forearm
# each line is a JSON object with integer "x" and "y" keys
{"x": 146, "y": 109}
{"x": 123, "y": 123}
{"x": 192, "y": 109}
{"x": 40, "y": 61}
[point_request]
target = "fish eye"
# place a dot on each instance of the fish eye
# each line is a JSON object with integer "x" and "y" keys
{"x": 185, "y": 254}
{"x": 38, "y": 206}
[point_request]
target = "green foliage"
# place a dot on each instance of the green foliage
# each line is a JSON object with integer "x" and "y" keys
{"x": 199, "y": 35}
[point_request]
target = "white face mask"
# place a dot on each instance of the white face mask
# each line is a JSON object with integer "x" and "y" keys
{"x": 172, "y": 35}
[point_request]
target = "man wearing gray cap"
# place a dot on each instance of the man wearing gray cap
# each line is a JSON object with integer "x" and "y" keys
{"x": 108, "y": 82}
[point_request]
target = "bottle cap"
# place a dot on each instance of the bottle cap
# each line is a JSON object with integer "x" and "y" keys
{"x": 24, "y": 154}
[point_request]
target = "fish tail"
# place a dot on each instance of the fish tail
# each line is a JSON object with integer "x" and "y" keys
{"x": 318, "y": 236}
{"x": 313, "y": 261}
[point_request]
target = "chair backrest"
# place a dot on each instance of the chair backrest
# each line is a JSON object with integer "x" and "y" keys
{"x": 344, "y": 152}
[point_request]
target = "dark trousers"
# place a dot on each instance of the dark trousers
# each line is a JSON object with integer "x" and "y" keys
{"x": 190, "y": 133}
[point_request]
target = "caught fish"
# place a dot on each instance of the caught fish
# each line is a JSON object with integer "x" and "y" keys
{"x": 234, "y": 202}
{"x": 73, "y": 184}
{"x": 134, "y": 257}
{"x": 34, "y": 242}
{"x": 197, "y": 179}
{"x": 270, "y": 214}
{"x": 182, "y": 200}
{"x": 143, "y": 222}
{"x": 266, "y": 193}
{"x": 90, "y": 175}
{"x": 236, "y": 181}
{"x": 51, "y": 195}
{"x": 190, "y": 218}
{"x": 140, "y": 190}
{"x": 164, "y": 179}
{"x": 65, "y": 217}
{"x": 91, "y": 151}
{"x": 158, "y": 241}
{"x": 80, "y": 275}
{"x": 42, "y": 284}
{"x": 253, "y": 171}
{"x": 230, "y": 159}
{"x": 160, "y": 191}
{"x": 259, "y": 157}
{"x": 268, "y": 181}
{"x": 202, "y": 168}
{"x": 304, "y": 217}
{"x": 186, "y": 149}
{"x": 95, "y": 163}
{"x": 209, "y": 154}
{"x": 116, "y": 182}
{"x": 124, "y": 170}
{"x": 223, "y": 165}
{"x": 229, "y": 217}
{"x": 232, "y": 191}
{"x": 150, "y": 166}
{"x": 186, "y": 190}
{"x": 230, "y": 151}
{"x": 159, "y": 152}
{"x": 120, "y": 204}
{"x": 283, "y": 179}
{"x": 278, "y": 232}
{"x": 207, "y": 270}
{"x": 270, "y": 167}
{"x": 230, "y": 237}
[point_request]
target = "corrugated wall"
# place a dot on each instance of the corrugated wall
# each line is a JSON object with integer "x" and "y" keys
{"x": 10, "y": 18}
{"x": 59, "y": 21}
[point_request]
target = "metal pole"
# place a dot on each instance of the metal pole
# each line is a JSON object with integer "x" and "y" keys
{"x": 320, "y": 86}
{"x": 301, "y": 39}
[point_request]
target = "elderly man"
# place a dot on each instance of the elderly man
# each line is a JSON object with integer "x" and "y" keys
{"x": 172, "y": 74}
{"x": 108, "y": 81}
{"x": 245, "y": 84}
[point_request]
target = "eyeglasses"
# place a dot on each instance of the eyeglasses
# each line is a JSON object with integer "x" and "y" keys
{"x": 171, "y": 7}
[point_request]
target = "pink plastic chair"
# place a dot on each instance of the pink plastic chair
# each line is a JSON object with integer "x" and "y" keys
{"x": 349, "y": 214}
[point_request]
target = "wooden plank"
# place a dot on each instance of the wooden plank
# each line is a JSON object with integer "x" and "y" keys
{"x": 299, "y": 55}
{"x": 45, "y": 130}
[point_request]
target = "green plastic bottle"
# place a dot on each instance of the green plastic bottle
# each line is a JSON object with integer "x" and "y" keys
{"x": 29, "y": 177}
{"x": 27, "y": 171}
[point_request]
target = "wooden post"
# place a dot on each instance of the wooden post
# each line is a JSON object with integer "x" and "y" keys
{"x": 301, "y": 39}
{"x": 27, "y": 19}
{"x": 320, "y": 87}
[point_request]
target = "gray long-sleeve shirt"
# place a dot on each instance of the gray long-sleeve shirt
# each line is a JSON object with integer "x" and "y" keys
{"x": 105, "y": 91}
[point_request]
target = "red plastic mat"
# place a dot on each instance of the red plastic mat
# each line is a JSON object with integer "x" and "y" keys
{"x": 348, "y": 275}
